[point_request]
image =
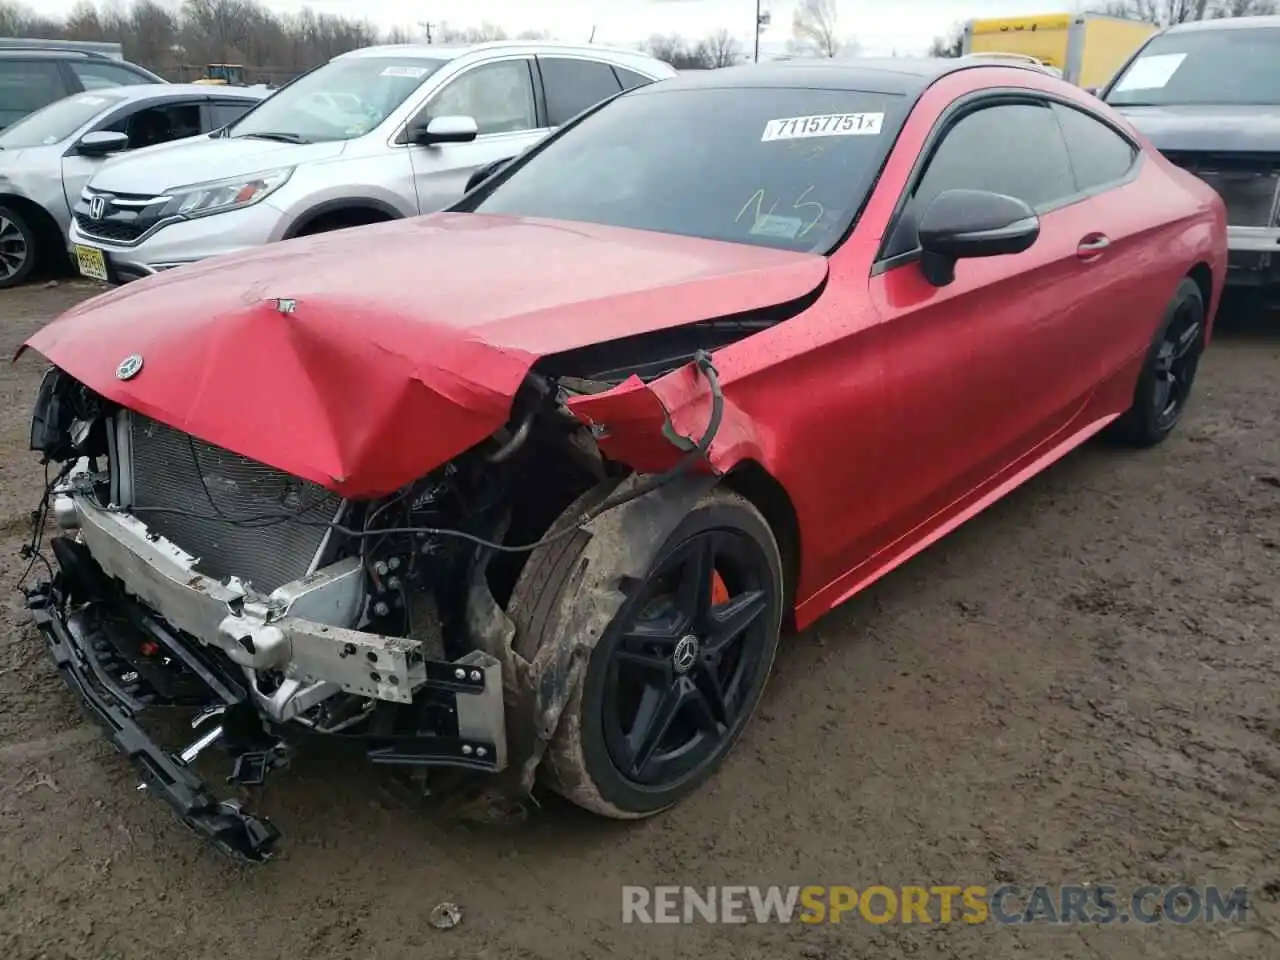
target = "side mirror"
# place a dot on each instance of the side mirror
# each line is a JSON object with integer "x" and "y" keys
{"x": 445, "y": 130}
{"x": 100, "y": 143}
{"x": 484, "y": 173}
{"x": 967, "y": 224}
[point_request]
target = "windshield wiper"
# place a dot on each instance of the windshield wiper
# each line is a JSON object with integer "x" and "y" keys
{"x": 276, "y": 135}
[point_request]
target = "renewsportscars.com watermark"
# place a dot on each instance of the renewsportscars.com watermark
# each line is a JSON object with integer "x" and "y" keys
{"x": 1006, "y": 904}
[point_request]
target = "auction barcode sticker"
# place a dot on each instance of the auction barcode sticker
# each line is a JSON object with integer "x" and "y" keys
{"x": 824, "y": 125}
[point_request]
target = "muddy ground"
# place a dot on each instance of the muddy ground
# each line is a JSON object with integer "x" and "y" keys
{"x": 1081, "y": 685}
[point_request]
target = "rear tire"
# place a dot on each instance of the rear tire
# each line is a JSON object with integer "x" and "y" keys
{"x": 695, "y": 654}
{"x": 1169, "y": 372}
{"x": 17, "y": 248}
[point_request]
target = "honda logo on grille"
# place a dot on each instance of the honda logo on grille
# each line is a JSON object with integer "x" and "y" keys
{"x": 97, "y": 207}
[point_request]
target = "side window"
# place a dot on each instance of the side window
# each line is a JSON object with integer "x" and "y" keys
{"x": 1099, "y": 155}
{"x": 26, "y": 86}
{"x": 575, "y": 85}
{"x": 95, "y": 75}
{"x": 630, "y": 79}
{"x": 223, "y": 112}
{"x": 1012, "y": 148}
{"x": 160, "y": 124}
{"x": 499, "y": 96}
{"x": 1015, "y": 148}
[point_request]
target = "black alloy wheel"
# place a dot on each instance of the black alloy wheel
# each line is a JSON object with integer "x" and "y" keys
{"x": 674, "y": 678}
{"x": 1176, "y": 360}
{"x": 1169, "y": 372}
{"x": 680, "y": 670}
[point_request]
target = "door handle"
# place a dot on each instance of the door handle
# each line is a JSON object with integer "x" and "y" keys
{"x": 1092, "y": 246}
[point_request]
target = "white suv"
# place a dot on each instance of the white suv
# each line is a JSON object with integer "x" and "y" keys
{"x": 375, "y": 134}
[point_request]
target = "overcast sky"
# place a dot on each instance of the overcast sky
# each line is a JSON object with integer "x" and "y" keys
{"x": 881, "y": 26}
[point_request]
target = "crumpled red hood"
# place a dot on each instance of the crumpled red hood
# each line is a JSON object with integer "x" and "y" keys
{"x": 397, "y": 346}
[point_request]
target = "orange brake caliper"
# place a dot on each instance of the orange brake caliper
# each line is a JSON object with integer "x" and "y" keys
{"x": 719, "y": 592}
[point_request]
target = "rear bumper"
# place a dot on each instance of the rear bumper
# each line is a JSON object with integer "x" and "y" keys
{"x": 1253, "y": 260}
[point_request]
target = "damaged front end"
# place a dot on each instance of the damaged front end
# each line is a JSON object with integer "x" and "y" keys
{"x": 186, "y": 575}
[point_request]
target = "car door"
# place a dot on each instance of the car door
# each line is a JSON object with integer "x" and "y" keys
{"x": 146, "y": 123}
{"x": 996, "y": 364}
{"x": 499, "y": 96}
{"x": 1117, "y": 253}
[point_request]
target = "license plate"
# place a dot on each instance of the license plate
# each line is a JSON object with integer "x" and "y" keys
{"x": 91, "y": 261}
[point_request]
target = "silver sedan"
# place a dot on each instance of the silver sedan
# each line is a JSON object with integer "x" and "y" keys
{"x": 47, "y": 157}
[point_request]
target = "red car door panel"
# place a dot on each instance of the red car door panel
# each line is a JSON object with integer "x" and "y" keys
{"x": 983, "y": 370}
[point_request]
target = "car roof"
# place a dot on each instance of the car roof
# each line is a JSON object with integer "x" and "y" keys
{"x": 1225, "y": 23}
{"x": 56, "y": 53}
{"x": 907, "y": 76}
{"x": 432, "y": 51}
{"x": 156, "y": 91}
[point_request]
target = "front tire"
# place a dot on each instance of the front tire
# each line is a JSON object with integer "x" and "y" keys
{"x": 676, "y": 675}
{"x": 1164, "y": 386}
{"x": 17, "y": 248}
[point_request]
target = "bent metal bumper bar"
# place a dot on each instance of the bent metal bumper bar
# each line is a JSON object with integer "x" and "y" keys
{"x": 230, "y": 828}
{"x": 317, "y": 659}
{"x": 298, "y": 630}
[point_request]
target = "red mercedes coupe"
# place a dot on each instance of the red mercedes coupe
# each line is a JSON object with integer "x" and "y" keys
{"x": 536, "y": 483}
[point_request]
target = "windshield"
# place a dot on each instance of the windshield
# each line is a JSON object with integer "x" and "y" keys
{"x": 1227, "y": 66}
{"x": 775, "y": 167}
{"x": 345, "y": 98}
{"x": 57, "y": 121}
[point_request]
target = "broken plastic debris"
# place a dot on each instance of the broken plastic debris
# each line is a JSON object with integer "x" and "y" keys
{"x": 446, "y": 916}
{"x": 42, "y": 780}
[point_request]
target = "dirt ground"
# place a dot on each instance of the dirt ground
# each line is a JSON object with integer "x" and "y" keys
{"x": 1080, "y": 685}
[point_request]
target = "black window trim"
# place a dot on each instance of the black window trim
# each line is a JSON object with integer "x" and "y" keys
{"x": 971, "y": 103}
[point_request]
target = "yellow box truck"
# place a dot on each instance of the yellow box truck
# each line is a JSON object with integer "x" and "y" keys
{"x": 1088, "y": 48}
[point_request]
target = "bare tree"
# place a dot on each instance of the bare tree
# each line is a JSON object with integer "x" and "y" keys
{"x": 1165, "y": 12}
{"x": 719, "y": 49}
{"x": 675, "y": 50}
{"x": 813, "y": 28}
{"x": 177, "y": 41}
{"x": 481, "y": 34}
{"x": 951, "y": 44}
{"x": 400, "y": 34}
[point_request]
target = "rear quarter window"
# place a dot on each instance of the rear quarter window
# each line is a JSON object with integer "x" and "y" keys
{"x": 26, "y": 86}
{"x": 1099, "y": 155}
{"x": 572, "y": 86}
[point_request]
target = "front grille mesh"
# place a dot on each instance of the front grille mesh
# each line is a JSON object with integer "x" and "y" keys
{"x": 1249, "y": 187}
{"x": 110, "y": 229}
{"x": 165, "y": 474}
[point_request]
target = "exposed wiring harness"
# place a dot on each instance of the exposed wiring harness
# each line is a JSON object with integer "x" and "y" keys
{"x": 30, "y": 551}
{"x": 702, "y": 362}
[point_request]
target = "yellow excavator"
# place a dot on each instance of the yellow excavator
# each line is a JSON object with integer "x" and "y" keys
{"x": 223, "y": 74}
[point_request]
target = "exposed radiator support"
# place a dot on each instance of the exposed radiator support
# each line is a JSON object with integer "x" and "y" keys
{"x": 170, "y": 469}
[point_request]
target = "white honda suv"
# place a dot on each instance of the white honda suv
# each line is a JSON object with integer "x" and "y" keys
{"x": 375, "y": 134}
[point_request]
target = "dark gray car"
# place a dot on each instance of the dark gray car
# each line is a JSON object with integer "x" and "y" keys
{"x": 47, "y": 157}
{"x": 1207, "y": 94}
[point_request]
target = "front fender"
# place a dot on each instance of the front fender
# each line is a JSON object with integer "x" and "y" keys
{"x": 650, "y": 426}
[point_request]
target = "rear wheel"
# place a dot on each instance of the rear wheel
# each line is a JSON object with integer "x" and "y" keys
{"x": 17, "y": 248}
{"x": 672, "y": 682}
{"x": 1164, "y": 386}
